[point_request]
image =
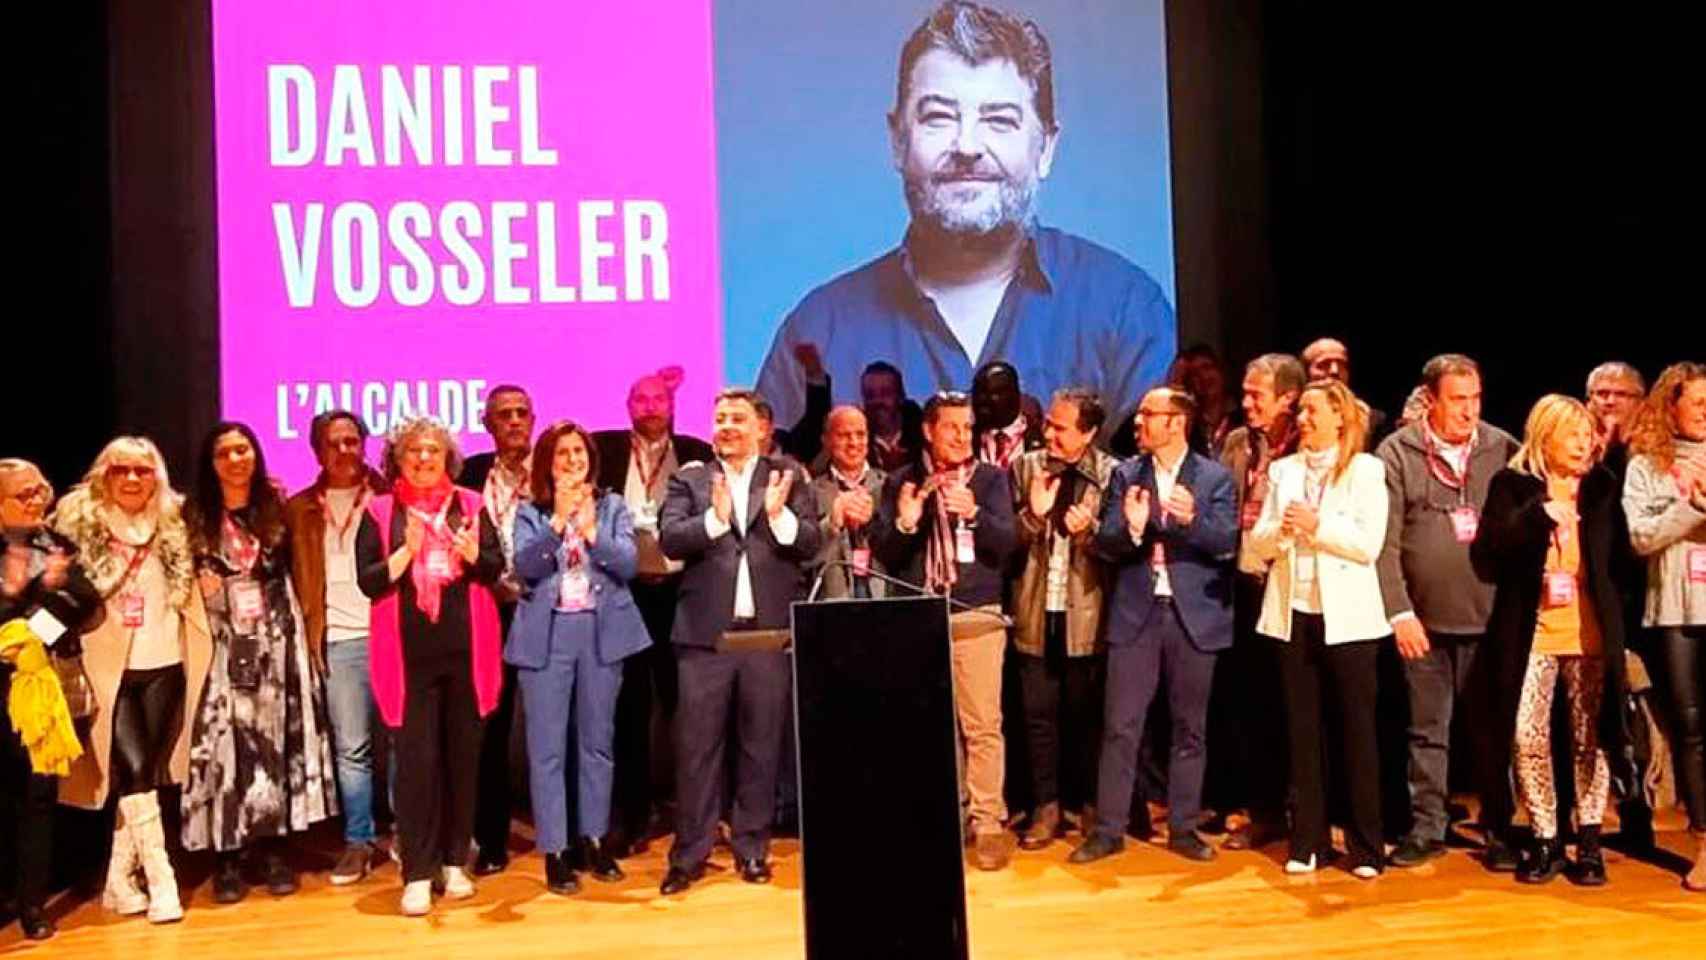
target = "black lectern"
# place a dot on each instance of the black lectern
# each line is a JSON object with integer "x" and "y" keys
{"x": 880, "y": 829}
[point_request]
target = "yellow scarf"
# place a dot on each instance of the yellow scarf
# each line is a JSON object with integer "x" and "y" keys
{"x": 37, "y": 705}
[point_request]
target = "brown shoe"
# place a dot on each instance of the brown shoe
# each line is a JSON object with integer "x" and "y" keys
{"x": 1696, "y": 879}
{"x": 1045, "y": 826}
{"x": 993, "y": 850}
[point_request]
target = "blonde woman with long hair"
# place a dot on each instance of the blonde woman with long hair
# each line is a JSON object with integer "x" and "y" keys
{"x": 147, "y": 661}
{"x": 1664, "y": 497}
{"x": 1548, "y": 535}
{"x": 1323, "y": 524}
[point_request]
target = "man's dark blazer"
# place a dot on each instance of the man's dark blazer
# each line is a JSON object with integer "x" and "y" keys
{"x": 707, "y": 599}
{"x": 614, "y": 450}
{"x": 1199, "y": 556}
{"x": 995, "y": 533}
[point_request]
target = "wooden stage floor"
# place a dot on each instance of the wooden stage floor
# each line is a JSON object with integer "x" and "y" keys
{"x": 1141, "y": 903}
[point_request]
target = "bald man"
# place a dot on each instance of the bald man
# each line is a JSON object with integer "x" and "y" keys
{"x": 638, "y": 463}
{"x": 847, "y": 492}
{"x": 1330, "y": 359}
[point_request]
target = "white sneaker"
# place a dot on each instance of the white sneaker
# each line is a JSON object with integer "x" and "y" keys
{"x": 417, "y": 898}
{"x": 1296, "y": 867}
{"x": 1365, "y": 872}
{"x": 457, "y": 884}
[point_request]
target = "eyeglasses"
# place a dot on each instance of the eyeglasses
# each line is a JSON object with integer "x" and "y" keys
{"x": 1158, "y": 413}
{"x": 40, "y": 491}
{"x": 951, "y": 397}
{"x": 119, "y": 471}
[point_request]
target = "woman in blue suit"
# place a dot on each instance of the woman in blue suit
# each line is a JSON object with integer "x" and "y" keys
{"x": 574, "y": 553}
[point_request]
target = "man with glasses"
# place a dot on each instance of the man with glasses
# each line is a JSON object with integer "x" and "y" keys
{"x": 947, "y": 522}
{"x": 1168, "y": 527}
{"x": 1614, "y": 391}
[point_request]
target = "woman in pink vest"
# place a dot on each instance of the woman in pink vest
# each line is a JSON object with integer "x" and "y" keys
{"x": 427, "y": 556}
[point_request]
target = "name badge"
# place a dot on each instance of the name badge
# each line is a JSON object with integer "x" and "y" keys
{"x": 1464, "y": 522}
{"x": 965, "y": 545}
{"x": 1560, "y": 589}
{"x": 1697, "y": 564}
{"x": 862, "y": 561}
{"x": 248, "y": 603}
{"x": 575, "y": 594}
{"x": 130, "y": 610}
{"x": 646, "y": 515}
{"x": 438, "y": 563}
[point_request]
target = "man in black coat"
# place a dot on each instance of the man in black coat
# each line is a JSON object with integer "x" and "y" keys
{"x": 745, "y": 527}
{"x": 638, "y": 464}
{"x": 502, "y": 478}
{"x": 947, "y": 522}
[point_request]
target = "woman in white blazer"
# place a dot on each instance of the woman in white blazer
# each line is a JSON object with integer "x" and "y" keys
{"x": 1323, "y": 523}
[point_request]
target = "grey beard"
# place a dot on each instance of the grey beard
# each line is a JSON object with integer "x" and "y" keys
{"x": 1015, "y": 207}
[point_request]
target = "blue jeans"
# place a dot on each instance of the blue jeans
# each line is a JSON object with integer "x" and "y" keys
{"x": 349, "y": 700}
{"x": 572, "y": 680}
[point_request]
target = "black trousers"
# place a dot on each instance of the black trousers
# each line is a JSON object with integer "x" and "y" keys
{"x": 755, "y": 686}
{"x": 1340, "y": 679}
{"x": 1683, "y": 651}
{"x": 495, "y": 799}
{"x": 1063, "y": 718}
{"x": 1246, "y": 718}
{"x": 437, "y": 750}
{"x": 148, "y": 715}
{"x": 644, "y": 709}
{"x": 26, "y": 816}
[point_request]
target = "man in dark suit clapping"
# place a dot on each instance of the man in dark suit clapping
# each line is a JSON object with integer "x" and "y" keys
{"x": 744, "y": 526}
{"x": 1169, "y": 527}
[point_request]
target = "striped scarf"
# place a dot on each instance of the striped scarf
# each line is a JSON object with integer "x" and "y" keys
{"x": 941, "y": 563}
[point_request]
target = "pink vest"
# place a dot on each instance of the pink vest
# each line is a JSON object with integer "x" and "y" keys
{"x": 385, "y": 645}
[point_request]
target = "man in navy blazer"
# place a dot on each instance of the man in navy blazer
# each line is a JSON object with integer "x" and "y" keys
{"x": 746, "y": 527}
{"x": 1168, "y": 530}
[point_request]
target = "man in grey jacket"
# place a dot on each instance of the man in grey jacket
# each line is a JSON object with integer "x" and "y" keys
{"x": 847, "y": 493}
{"x": 1437, "y": 473}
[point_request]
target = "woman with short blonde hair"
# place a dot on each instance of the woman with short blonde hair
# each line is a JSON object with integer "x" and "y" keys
{"x": 1664, "y": 497}
{"x": 147, "y": 660}
{"x": 1548, "y": 535}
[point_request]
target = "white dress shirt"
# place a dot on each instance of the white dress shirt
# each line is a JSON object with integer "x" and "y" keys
{"x": 1165, "y": 478}
{"x": 785, "y": 528}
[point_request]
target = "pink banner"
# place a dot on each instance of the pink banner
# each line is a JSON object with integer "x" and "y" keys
{"x": 419, "y": 202}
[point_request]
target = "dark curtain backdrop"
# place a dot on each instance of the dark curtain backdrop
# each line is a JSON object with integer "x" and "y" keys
{"x": 1411, "y": 179}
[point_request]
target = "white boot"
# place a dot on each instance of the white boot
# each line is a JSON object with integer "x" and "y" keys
{"x": 142, "y": 818}
{"x": 457, "y": 884}
{"x": 417, "y": 898}
{"x": 122, "y": 895}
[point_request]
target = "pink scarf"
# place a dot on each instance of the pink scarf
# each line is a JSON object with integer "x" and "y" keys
{"x": 431, "y": 506}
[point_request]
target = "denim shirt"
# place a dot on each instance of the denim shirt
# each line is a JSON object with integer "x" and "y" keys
{"x": 1076, "y": 314}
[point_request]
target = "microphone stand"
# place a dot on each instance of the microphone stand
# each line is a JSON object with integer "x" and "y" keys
{"x": 954, "y": 603}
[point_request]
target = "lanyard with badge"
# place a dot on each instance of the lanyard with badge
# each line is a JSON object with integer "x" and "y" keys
{"x": 858, "y": 543}
{"x": 574, "y": 592}
{"x": 243, "y": 593}
{"x": 131, "y": 603}
{"x": 1560, "y": 584}
{"x": 1465, "y": 519}
{"x": 438, "y": 552}
{"x": 646, "y": 514}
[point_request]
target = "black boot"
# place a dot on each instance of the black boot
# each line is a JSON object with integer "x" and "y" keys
{"x": 228, "y": 885}
{"x": 1588, "y": 870}
{"x": 559, "y": 876}
{"x": 598, "y": 861}
{"x": 35, "y": 924}
{"x": 1541, "y": 862}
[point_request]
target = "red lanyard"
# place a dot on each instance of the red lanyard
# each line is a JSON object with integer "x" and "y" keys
{"x": 648, "y": 472}
{"x": 504, "y": 504}
{"x": 1451, "y": 479}
{"x": 138, "y": 556}
{"x": 244, "y": 547}
{"x": 342, "y": 528}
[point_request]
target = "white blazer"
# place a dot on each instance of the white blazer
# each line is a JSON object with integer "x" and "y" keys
{"x": 1347, "y": 544}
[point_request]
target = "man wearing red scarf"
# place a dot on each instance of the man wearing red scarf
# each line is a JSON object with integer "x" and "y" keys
{"x": 947, "y": 523}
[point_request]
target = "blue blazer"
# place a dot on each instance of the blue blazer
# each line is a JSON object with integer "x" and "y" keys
{"x": 538, "y": 556}
{"x": 1199, "y": 557}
